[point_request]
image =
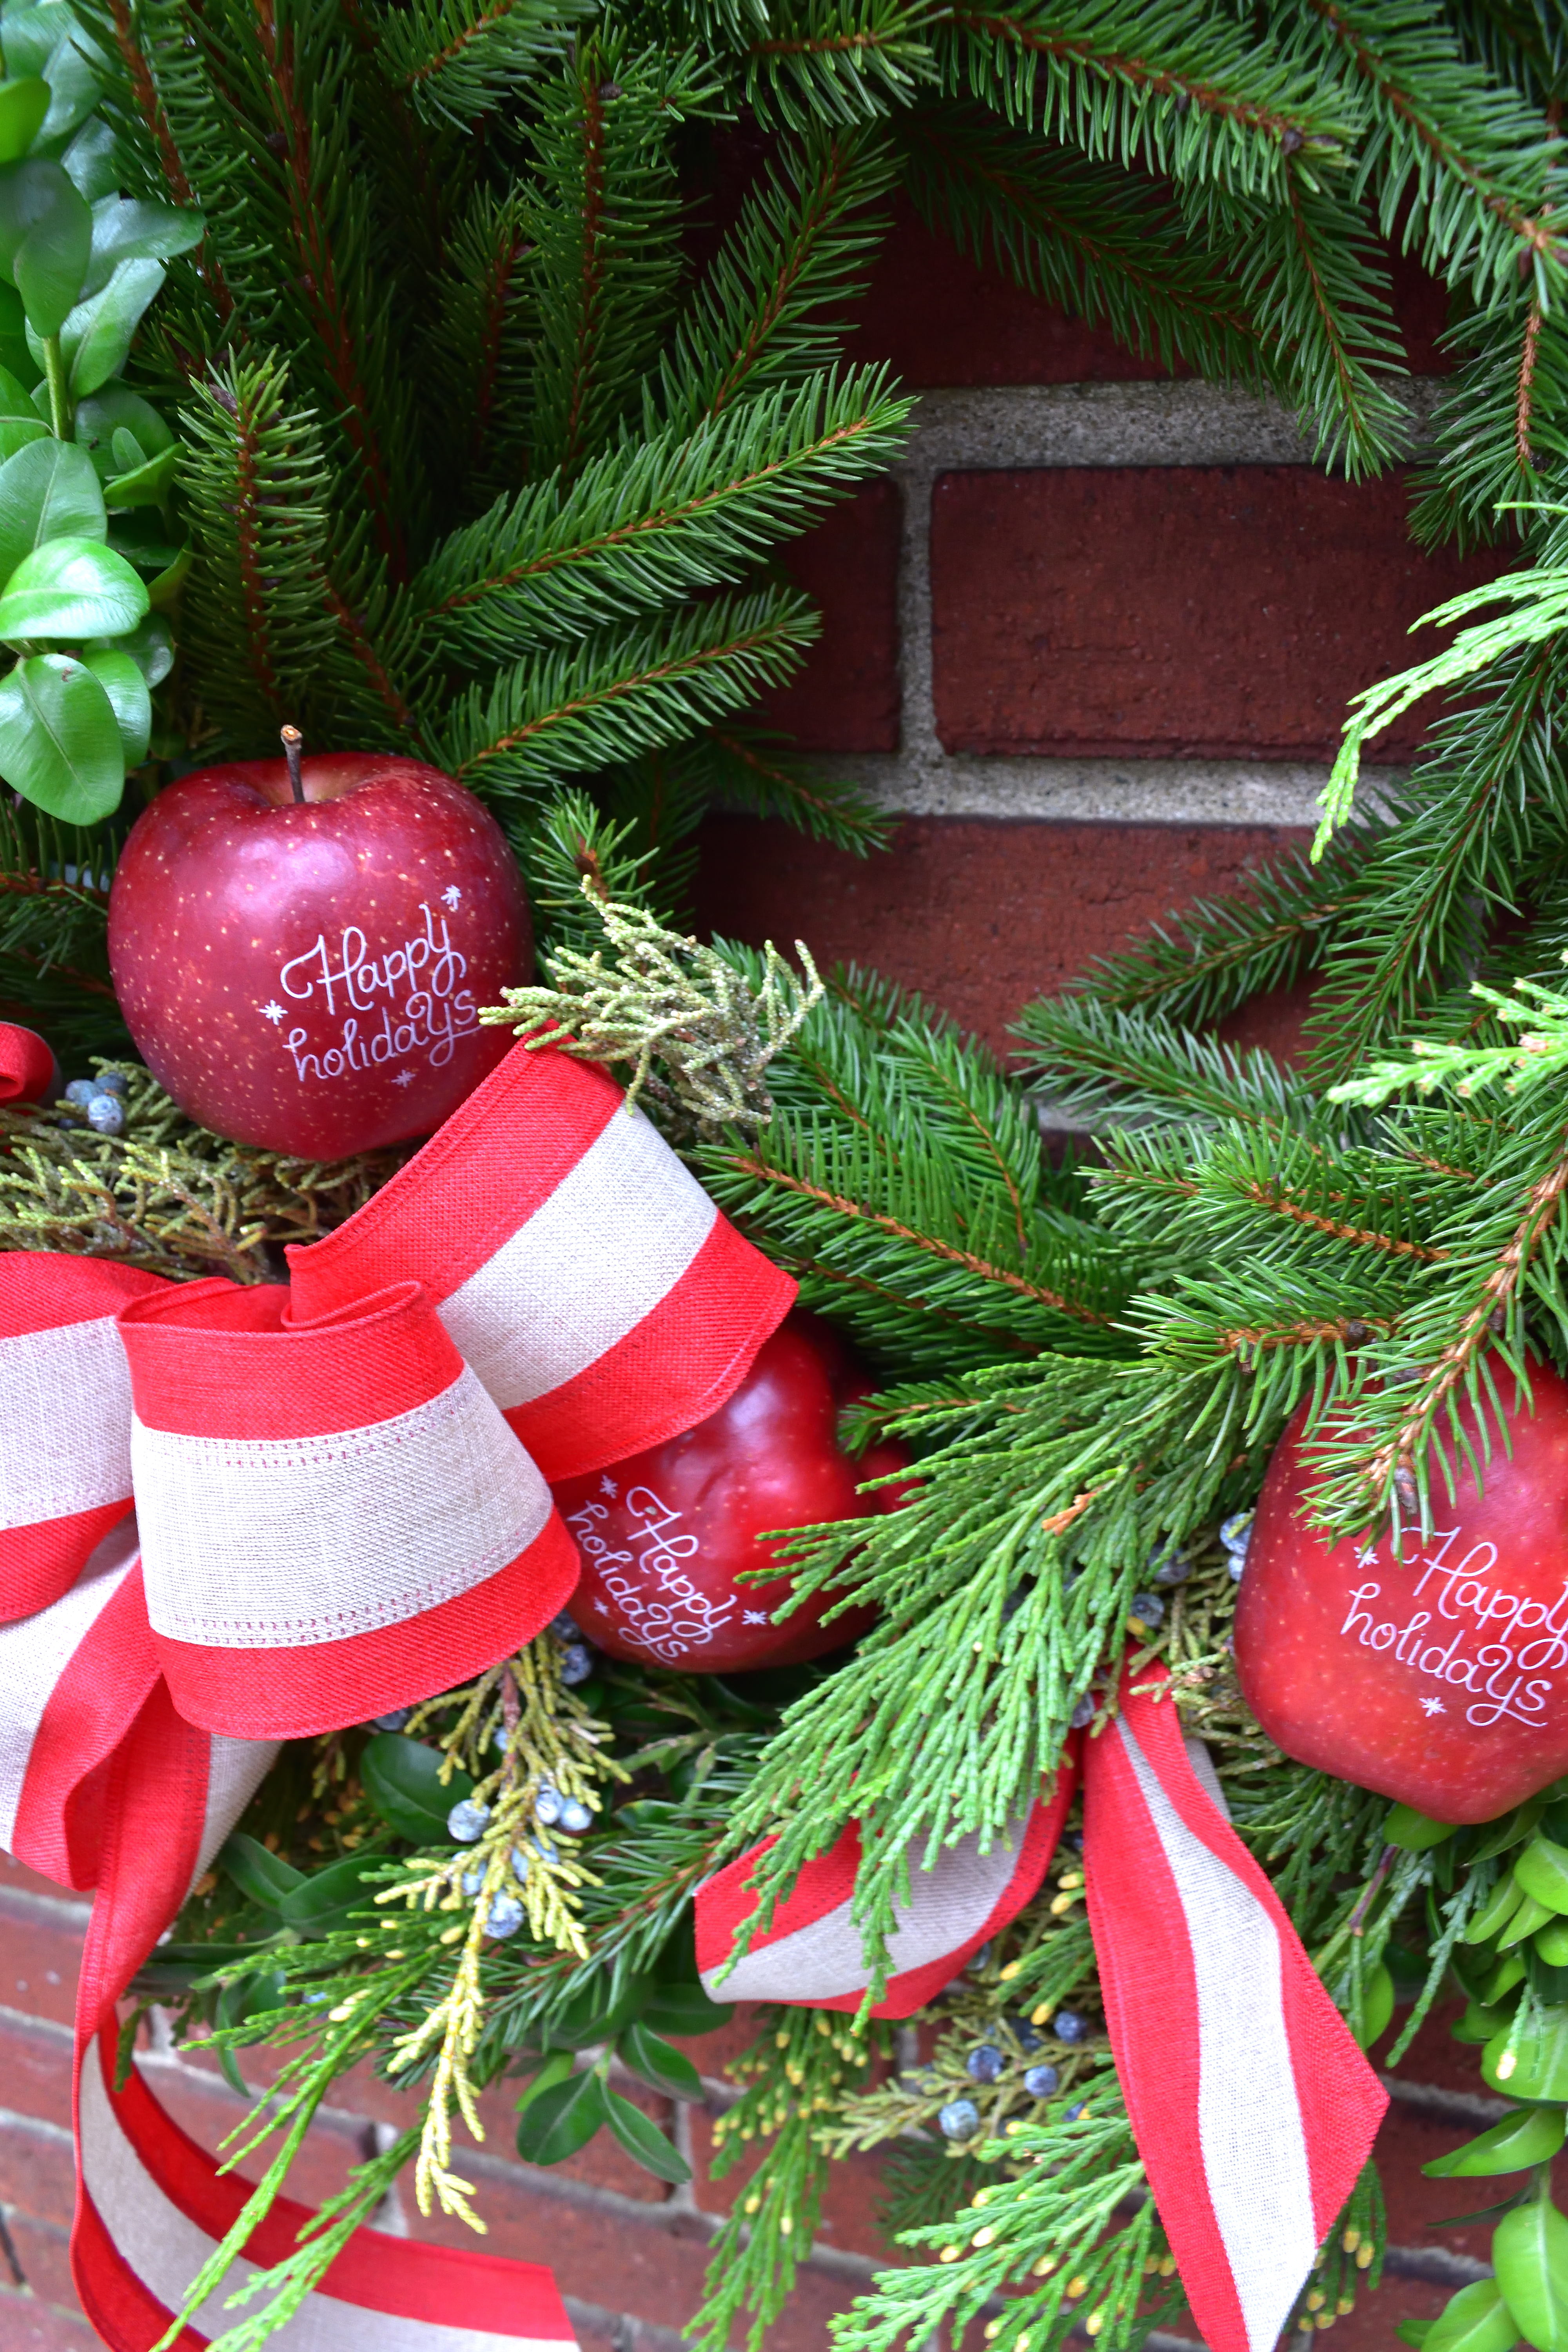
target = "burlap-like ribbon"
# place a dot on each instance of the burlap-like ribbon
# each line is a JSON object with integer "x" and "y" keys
{"x": 234, "y": 1515}
{"x": 1253, "y": 2109}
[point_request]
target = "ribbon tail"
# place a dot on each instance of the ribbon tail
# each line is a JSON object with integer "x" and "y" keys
{"x": 1253, "y": 2109}
{"x": 153, "y": 2208}
{"x": 813, "y": 1951}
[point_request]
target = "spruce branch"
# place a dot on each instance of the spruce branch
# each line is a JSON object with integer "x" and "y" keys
{"x": 613, "y": 698}
{"x": 1082, "y": 236}
{"x": 459, "y": 59}
{"x": 771, "y": 309}
{"x": 682, "y": 513}
{"x": 668, "y": 999}
{"x": 259, "y": 623}
{"x": 1185, "y": 91}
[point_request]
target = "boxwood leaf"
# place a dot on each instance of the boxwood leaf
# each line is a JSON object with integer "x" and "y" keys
{"x": 1530, "y": 2255}
{"x": 119, "y": 674}
{"x": 1531, "y": 2135}
{"x": 96, "y": 337}
{"x": 59, "y": 739}
{"x": 23, "y": 103}
{"x": 1474, "y": 2320}
{"x": 400, "y": 1778}
{"x": 643, "y": 2140}
{"x": 71, "y": 587}
{"x": 47, "y": 491}
{"x": 325, "y": 1901}
{"x": 150, "y": 645}
{"x": 265, "y": 1877}
{"x": 685, "y": 2008}
{"x": 659, "y": 2062}
{"x": 46, "y": 238}
{"x": 590, "y": 2017}
{"x": 561, "y": 2119}
{"x": 128, "y": 228}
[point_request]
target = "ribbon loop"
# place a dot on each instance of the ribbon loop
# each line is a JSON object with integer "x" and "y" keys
{"x": 335, "y": 1518}
{"x": 65, "y": 1419}
{"x": 578, "y": 1264}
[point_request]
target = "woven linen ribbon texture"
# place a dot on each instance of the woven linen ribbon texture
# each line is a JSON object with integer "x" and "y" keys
{"x": 236, "y": 1515}
{"x": 1253, "y": 2109}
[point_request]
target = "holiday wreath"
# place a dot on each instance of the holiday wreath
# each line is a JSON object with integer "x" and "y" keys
{"x": 1164, "y": 1680}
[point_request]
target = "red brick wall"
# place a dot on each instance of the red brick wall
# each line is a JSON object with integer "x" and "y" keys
{"x": 1093, "y": 644}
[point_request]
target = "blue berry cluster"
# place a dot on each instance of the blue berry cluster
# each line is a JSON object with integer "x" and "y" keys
{"x": 1236, "y": 1535}
{"x": 102, "y": 1100}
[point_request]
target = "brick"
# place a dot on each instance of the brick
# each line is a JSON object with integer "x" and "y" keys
{"x": 29, "y": 2326}
{"x": 1139, "y": 611}
{"x": 43, "y": 2255}
{"x": 845, "y": 697}
{"x": 39, "y": 1957}
{"x": 980, "y": 916}
{"x": 38, "y": 2172}
{"x": 939, "y": 318}
{"x": 36, "y": 2068}
{"x": 943, "y": 319}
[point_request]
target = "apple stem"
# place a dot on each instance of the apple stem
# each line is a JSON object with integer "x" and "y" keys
{"x": 293, "y": 745}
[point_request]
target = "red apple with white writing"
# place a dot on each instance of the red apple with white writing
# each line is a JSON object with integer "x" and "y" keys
{"x": 665, "y": 1535}
{"x": 1437, "y": 1675}
{"x": 300, "y": 948}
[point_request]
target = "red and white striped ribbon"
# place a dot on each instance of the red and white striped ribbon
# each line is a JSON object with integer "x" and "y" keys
{"x": 1253, "y": 2108}
{"x": 579, "y": 1266}
{"x": 153, "y": 2210}
{"x": 234, "y": 1515}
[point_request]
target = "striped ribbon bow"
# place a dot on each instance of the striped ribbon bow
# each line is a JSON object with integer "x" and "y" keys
{"x": 234, "y": 1515}
{"x": 1253, "y": 2109}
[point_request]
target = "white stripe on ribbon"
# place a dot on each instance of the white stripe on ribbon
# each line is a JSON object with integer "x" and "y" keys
{"x": 235, "y": 1770}
{"x": 165, "y": 2250}
{"x": 35, "y": 1650}
{"x": 612, "y": 1240}
{"x": 263, "y": 1543}
{"x": 64, "y": 1433}
{"x": 949, "y": 1904}
{"x": 1249, "y": 2118}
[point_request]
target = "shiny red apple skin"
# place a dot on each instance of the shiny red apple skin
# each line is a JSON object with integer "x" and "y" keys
{"x": 663, "y": 1535}
{"x": 306, "y": 977}
{"x": 1460, "y": 1716}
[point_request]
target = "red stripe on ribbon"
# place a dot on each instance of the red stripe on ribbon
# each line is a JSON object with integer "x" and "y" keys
{"x": 1253, "y": 2109}
{"x": 294, "y": 1693}
{"x": 334, "y": 1520}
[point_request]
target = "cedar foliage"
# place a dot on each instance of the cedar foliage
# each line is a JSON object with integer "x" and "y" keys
{"x": 480, "y": 464}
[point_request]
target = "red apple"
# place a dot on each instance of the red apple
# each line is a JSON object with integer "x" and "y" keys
{"x": 306, "y": 974}
{"x": 663, "y": 1535}
{"x": 1439, "y": 1676}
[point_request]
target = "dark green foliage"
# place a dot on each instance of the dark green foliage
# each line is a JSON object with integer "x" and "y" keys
{"x": 483, "y": 464}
